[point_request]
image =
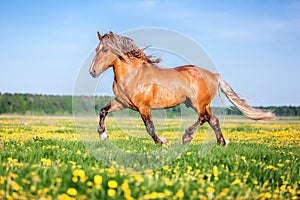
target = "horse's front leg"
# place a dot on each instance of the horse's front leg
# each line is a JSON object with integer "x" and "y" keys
{"x": 147, "y": 118}
{"x": 112, "y": 106}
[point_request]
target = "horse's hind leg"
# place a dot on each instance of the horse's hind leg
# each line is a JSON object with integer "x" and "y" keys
{"x": 215, "y": 125}
{"x": 112, "y": 106}
{"x": 189, "y": 132}
{"x": 147, "y": 118}
{"x": 213, "y": 122}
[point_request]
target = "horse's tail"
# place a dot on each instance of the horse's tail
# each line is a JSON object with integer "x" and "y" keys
{"x": 252, "y": 113}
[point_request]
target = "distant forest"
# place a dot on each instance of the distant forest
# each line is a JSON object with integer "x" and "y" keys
{"x": 28, "y": 104}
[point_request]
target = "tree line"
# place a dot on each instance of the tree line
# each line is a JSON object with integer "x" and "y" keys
{"x": 29, "y": 104}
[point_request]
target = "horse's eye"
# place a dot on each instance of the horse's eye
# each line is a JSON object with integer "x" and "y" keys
{"x": 105, "y": 50}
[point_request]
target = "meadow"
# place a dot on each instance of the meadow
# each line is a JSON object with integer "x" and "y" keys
{"x": 58, "y": 158}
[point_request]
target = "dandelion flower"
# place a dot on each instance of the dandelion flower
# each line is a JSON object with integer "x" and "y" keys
{"x": 15, "y": 186}
{"x": 97, "y": 179}
{"x": 112, "y": 184}
{"x": 268, "y": 195}
{"x": 111, "y": 192}
{"x": 72, "y": 192}
{"x": 236, "y": 181}
{"x": 180, "y": 193}
{"x": 210, "y": 190}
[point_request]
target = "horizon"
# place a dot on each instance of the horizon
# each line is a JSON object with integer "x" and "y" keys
{"x": 254, "y": 44}
{"x": 227, "y": 105}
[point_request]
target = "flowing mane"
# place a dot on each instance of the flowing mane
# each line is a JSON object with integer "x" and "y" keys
{"x": 124, "y": 46}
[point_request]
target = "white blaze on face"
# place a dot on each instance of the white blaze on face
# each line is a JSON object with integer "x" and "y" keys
{"x": 93, "y": 62}
{"x": 100, "y": 47}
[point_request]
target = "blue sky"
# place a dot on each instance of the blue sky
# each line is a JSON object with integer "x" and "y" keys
{"x": 254, "y": 44}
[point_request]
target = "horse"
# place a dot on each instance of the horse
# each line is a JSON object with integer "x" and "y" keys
{"x": 141, "y": 85}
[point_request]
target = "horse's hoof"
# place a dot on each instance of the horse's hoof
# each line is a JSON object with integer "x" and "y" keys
{"x": 104, "y": 136}
{"x": 222, "y": 142}
{"x": 186, "y": 139}
{"x": 227, "y": 142}
{"x": 163, "y": 140}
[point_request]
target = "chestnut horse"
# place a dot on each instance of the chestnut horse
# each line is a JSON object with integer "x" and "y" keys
{"x": 141, "y": 85}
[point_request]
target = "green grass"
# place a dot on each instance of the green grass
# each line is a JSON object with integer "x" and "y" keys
{"x": 47, "y": 168}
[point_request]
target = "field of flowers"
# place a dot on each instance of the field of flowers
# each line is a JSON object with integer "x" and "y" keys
{"x": 48, "y": 158}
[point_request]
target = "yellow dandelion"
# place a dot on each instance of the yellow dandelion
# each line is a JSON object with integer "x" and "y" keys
{"x": 111, "y": 192}
{"x": 2, "y": 180}
{"x": 189, "y": 153}
{"x": 282, "y": 188}
{"x": 82, "y": 197}
{"x": 225, "y": 191}
{"x": 126, "y": 189}
{"x": 167, "y": 192}
{"x": 271, "y": 167}
{"x": 33, "y": 188}
{"x": 139, "y": 178}
{"x": 79, "y": 172}
{"x": 58, "y": 180}
{"x": 63, "y": 197}
{"x": 112, "y": 184}
{"x": 111, "y": 170}
{"x": 153, "y": 195}
{"x": 72, "y": 192}
{"x": 168, "y": 182}
{"x": 267, "y": 195}
{"x": 98, "y": 187}
{"x": 97, "y": 179}
{"x": 90, "y": 183}
{"x": 46, "y": 162}
{"x": 75, "y": 179}
{"x": 15, "y": 186}
{"x": 236, "y": 181}
{"x": 210, "y": 190}
{"x": 180, "y": 193}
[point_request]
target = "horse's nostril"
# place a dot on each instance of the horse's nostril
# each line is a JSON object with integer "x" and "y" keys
{"x": 93, "y": 72}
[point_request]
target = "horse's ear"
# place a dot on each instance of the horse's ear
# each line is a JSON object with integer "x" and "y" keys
{"x": 111, "y": 34}
{"x": 99, "y": 35}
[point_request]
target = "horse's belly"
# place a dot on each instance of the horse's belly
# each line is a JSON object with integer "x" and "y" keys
{"x": 165, "y": 98}
{"x": 157, "y": 96}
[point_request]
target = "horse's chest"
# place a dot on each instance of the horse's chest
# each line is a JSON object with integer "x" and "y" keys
{"x": 123, "y": 96}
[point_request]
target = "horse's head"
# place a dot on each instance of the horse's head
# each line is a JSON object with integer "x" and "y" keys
{"x": 104, "y": 57}
{"x": 113, "y": 47}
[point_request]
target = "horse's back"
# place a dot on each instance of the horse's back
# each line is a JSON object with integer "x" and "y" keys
{"x": 203, "y": 82}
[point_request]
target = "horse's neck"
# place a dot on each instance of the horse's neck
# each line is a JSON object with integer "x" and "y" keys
{"x": 122, "y": 68}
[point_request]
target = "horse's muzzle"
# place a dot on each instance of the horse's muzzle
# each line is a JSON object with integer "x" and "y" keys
{"x": 93, "y": 73}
